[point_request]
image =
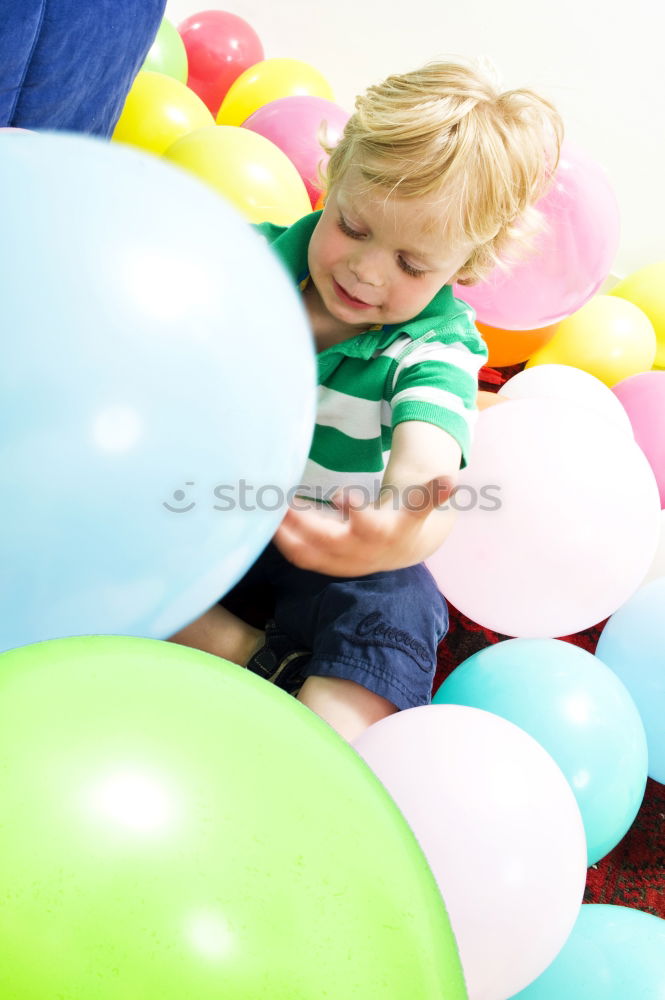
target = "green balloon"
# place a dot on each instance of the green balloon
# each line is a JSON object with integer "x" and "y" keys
{"x": 167, "y": 53}
{"x": 174, "y": 827}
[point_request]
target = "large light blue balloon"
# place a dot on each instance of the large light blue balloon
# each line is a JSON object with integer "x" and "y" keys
{"x": 613, "y": 953}
{"x": 632, "y": 644}
{"x": 579, "y": 711}
{"x": 155, "y": 357}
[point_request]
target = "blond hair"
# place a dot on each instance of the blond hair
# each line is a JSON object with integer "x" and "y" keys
{"x": 448, "y": 131}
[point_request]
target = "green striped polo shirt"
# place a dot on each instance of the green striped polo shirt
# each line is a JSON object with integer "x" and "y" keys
{"x": 425, "y": 369}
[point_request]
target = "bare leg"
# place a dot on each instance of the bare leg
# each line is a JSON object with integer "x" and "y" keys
{"x": 346, "y": 706}
{"x": 221, "y": 633}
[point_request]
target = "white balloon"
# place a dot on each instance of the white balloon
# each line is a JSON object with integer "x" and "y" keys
{"x": 501, "y": 830}
{"x": 657, "y": 568}
{"x": 558, "y": 521}
{"x": 567, "y": 383}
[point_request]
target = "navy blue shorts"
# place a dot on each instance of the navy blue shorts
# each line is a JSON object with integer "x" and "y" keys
{"x": 69, "y": 64}
{"x": 381, "y": 630}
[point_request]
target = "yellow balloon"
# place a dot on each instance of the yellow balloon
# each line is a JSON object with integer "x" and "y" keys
{"x": 608, "y": 337}
{"x": 248, "y": 169}
{"x": 646, "y": 288}
{"x": 159, "y": 110}
{"x": 267, "y": 81}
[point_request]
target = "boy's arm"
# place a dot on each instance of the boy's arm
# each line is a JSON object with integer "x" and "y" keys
{"x": 403, "y": 528}
{"x": 421, "y": 472}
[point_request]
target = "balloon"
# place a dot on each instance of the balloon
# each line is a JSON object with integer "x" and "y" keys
{"x": 294, "y": 124}
{"x": 643, "y": 397}
{"x": 609, "y": 338}
{"x": 500, "y": 828}
{"x": 566, "y": 383}
{"x": 646, "y": 289}
{"x": 167, "y": 54}
{"x": 220, "y": 46}
{"x": 159, "y": 110}
{"x": 256, "y": 176}
{"x": 657, "y": 568}
{"x": 613, "y": 952}
{"x": 557, "y": 524}
{"x": 26, "y": 131}
{"x": 173, "y": 826}
{"x": 511, "y": 347}
{"x": 573, "y": 254}
{"x": 579, "y": 711}
{"x": 632, "y": 644}
{"x": 157, "y": 392}
{"x": 266, "y": 81}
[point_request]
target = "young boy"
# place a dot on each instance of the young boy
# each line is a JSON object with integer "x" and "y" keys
{"x": 435, "y": 176}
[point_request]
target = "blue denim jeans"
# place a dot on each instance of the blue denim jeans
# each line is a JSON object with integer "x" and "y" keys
{"x": 69, "y": 64}
{"x": 381, "y": 630}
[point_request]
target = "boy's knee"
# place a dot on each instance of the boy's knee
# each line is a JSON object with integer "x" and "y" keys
{"x": 345, "y": 705}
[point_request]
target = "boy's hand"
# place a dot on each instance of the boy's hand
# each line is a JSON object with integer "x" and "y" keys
{"x": 359, "y": 539}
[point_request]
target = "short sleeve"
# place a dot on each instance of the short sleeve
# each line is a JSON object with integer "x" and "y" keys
{"x": 269, "y": 230}
{"x": 436, "y": 380}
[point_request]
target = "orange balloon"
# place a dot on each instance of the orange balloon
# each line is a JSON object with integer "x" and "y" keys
{"x": 511, "y": 347}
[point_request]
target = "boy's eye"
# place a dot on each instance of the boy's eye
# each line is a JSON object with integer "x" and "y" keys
{"x": 355, "y": 235}
{"x": 346, "y": 229}
{"x": 410, "y": 269}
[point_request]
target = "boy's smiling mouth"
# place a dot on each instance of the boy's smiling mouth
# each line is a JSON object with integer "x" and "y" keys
{"x": 350, "y": 300}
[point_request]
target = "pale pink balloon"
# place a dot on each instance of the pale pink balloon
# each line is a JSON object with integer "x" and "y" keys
{"x": 293, "y": 124}
{"x": 10, "y": 128}
{"x": 563, "y": 382}
{"x": 501, "y": 830}
{"x": 657, "y": 567}
{"x": 572, "y": 257}
{"x": 558, "y": 520}
{"x": 643, "y": 398}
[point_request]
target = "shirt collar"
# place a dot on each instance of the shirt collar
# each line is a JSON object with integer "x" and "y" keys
{"x": 292, "y": 246}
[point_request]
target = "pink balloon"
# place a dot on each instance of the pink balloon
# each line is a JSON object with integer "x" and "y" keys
{"x": 559, "y": 519}
{"x": 10, "y": 128}
{"x": 572, "y": 259}
{"x": 293, "y": 124}
{"x": 643, "y": 397}
{"x": 501, "y": 830}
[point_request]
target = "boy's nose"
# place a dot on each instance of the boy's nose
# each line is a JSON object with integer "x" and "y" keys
{"x": 366, "y": 268}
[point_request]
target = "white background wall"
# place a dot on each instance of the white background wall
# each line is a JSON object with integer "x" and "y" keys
{"x": 603, "y": 64}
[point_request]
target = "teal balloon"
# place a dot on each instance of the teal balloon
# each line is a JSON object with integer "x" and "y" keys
{"x": 156, "y": 357}
{"x": 175, "y": 828}
{"x": 579, "y": 711}
{"x": 632, "y": 644}
{"x": 613, "y": 953}
{"x": 168, "y": 54}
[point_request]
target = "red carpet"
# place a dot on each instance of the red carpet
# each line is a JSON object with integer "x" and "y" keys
{"x": 633, "y": 874}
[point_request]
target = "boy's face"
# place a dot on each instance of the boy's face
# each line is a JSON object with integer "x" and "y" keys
{"x": 377, "y": 259}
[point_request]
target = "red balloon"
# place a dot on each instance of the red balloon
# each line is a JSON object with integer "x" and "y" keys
{"x": 220, "y": 46}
